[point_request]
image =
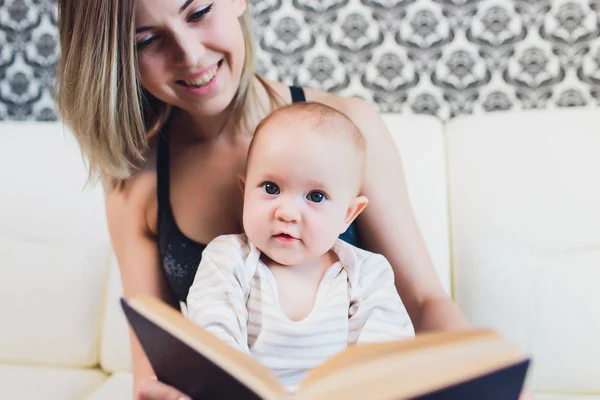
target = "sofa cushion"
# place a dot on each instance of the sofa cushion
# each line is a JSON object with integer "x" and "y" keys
{"x": 525, "y": 212}
{"x": 565, "y": 396}
{"x": 54, "y": 249}
{"x": 117, "y": 387}
{"x": 115, "y": 354}
{"x": 34, "y": 383}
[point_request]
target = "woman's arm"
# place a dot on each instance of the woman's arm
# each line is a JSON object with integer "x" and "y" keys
{"x": 136, "y": 251}
{"x": 388, "y": 226}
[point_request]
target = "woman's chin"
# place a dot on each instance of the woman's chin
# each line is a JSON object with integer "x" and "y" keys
{"x": 207, "y": 107}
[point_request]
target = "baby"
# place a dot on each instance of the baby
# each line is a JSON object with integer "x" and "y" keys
{"x": 289, "y": 292}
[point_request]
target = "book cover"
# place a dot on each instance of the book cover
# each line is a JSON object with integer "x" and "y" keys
{"x": 476, "y": 364}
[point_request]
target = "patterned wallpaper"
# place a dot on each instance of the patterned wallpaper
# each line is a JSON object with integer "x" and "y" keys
{"x": 439, "y": 57}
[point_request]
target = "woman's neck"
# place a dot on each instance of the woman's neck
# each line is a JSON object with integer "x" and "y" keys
{"x": 209, "y": 128}
{"x": 187, "y": 127}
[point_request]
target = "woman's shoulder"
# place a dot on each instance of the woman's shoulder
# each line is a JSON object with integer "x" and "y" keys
{"x": 347, "y": 105}
{"x": 137, "y": 195}
{"x": 366, "y": 117}
{"x": 361, "y": 112}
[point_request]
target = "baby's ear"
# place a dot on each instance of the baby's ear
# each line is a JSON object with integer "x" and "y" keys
{"x": 242, "y": 182}
{"x": 356, "y": 207}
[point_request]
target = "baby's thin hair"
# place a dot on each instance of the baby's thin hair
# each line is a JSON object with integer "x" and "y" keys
{"x": 325, "y": 119}
{"x": 321, "y": 116}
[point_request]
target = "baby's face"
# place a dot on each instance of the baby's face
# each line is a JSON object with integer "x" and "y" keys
{"x": 298, "y": 190}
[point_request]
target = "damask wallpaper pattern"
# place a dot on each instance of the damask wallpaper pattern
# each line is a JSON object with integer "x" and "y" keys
{"x": 439, "y": 57}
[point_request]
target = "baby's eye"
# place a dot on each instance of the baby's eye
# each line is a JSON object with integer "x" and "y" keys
{"x": 270, "y": 188}
{"x": 316, "y": 196}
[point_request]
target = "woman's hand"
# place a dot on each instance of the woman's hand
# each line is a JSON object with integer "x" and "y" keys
{"x": 526, "y": 394}
{"x": 151, "y": 389}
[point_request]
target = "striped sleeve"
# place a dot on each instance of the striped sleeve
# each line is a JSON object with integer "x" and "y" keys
{"x": 379, "y": 314}
{"x": 217, "y": 297}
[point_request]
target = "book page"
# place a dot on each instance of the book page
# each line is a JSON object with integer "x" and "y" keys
{"x": 410, "y": 370}
{"x": 360, "y": 354}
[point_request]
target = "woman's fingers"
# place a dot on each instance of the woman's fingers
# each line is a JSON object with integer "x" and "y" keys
{"x": 526, "y": 394}
{"x": 151, "y": 389}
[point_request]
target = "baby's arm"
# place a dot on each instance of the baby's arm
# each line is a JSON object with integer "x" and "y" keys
{"x": 217, "y": 298}
{"x": 377, "y": 313}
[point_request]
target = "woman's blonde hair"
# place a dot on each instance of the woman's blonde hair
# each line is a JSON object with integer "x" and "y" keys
{"x": 97, "y": 92}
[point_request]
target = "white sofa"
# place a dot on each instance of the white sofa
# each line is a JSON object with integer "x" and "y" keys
{"x": 509, "y": 204}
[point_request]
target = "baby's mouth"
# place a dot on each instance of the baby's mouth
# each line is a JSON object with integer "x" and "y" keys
{"x": 285, "y": 236}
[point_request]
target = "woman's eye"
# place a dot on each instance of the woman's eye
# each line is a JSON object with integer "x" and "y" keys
{"x": 316, "y": 196}
{"x": 197, "y": 16}
{"x": 145, "y": 43}
{"x": 270, "y": 188}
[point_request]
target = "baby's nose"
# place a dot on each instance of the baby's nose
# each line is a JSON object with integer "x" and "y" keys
{"x": 287, "y": 212}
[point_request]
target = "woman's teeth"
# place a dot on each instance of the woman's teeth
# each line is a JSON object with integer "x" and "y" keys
{"x": 204, "y": 79}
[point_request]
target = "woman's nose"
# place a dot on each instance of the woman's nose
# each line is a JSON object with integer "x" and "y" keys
{"x": 188, "y": 50}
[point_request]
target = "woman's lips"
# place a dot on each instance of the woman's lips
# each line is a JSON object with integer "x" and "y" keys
{"x": 201, "y": 79}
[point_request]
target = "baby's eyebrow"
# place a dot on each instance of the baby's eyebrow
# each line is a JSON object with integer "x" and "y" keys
{"x": 319, "y": 187}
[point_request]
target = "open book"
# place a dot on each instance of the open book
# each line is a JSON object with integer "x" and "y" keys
{"x": 475, "y": 364}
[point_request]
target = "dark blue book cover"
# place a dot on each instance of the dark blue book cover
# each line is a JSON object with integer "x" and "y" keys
{"x": 503, "y": 384}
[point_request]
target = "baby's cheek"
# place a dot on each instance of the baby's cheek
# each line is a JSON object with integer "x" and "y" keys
{"x": 325, "y": 232}
{"x": 254, "y": 222}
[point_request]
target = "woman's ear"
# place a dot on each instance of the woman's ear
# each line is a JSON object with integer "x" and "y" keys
{"x": 240, "y": 6}
{"x": 242, "y": 182}
{"x": 356, "y": 207}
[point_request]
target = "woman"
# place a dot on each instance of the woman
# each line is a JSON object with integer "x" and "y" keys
{"x": 163, "y": 99}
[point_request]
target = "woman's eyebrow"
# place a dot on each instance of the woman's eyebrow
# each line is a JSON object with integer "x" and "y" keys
{"x": 142, "y": 29}
{"x": 185, "y": 5}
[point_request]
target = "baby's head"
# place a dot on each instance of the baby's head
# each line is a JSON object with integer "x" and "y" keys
{"x": 303, "y": 180}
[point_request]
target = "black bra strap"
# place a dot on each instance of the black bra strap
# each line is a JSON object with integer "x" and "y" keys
{"x": 162, "y": 171}
{"x": 297, "y": 94}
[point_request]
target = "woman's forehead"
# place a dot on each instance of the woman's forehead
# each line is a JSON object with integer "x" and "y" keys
{"x": 158, "y": 8}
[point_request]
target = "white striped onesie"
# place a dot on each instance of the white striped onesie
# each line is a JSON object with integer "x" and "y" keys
{"x": 235, "y": 297}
